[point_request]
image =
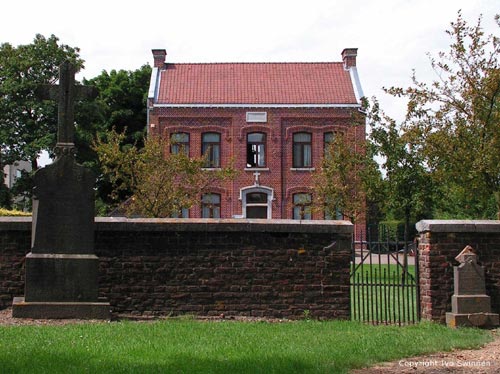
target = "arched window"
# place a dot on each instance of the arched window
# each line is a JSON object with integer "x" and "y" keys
{"x": 210, "y": 205}
{"x": 256, "y": 150}
{"x": 210, "y": 148}
{"x": 179, "y": 142}
{"x": 302, "y": 150}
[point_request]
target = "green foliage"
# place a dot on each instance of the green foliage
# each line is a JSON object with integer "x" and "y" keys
{"x": 156, "y": 182}
{"x": 5, "y": 196}
{"x": 120, "y": 105}
{"x": 454, "y": 121}
{"x": 223, "y": 347}
{"x": 28, "y": 125}
{"x": 348, "y": 175}
{"x": 407, "y": 185}
{"x": 395, "y": 230}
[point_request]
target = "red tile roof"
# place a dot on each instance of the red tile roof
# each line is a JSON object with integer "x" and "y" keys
{"x": 256, "y": 83}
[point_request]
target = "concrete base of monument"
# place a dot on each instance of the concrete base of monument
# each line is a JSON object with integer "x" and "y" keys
{"x": 484, "y": 320}
{"x": 60, "y": 310}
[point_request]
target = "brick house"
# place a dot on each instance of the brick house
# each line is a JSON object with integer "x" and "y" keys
{"x": 272, "y": 119}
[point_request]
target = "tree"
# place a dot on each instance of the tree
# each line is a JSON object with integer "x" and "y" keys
{"x": 347, "y": 180}
{"x": 156, "y": 182}
{"x": 407, "y": 186}
{"x": 338, "y": 182}
{"x": 454, "y": 122}
{"x": 120, "y": 105}
{"x": 28, "y": 125}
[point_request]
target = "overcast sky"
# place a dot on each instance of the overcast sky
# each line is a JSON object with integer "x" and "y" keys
{"x": 392, "y": 36}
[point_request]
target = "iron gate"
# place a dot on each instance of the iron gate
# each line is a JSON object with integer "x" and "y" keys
{"x": 384, "y": 282}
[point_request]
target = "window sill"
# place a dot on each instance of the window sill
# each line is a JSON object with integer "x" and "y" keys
{"x": 256, "y": 169}
{"x": 302, "y": 169}
{"x": 211, "y": 169}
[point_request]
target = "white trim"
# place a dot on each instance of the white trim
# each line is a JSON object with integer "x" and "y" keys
{"x": 256, "y": 105}
{"x": 263, "y": 189}
{"x": 356, "y": 84}
{"x": 302, "y": 169}
{"x": 153, "y": 83}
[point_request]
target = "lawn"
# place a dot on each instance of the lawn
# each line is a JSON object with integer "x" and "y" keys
{"x": 188, "y": 346}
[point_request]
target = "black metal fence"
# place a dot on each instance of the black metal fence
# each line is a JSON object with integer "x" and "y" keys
{"x": 384, "y": 282}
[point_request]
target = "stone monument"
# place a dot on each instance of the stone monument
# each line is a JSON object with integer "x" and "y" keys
{"x": 470, "y": 306}
{"x": 62, "y": 269}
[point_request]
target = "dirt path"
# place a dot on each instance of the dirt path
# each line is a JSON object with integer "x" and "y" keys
{"x": 478, "y": 361}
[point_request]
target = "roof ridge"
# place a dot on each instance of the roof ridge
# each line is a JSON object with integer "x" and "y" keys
{"x": 255, "y": 63}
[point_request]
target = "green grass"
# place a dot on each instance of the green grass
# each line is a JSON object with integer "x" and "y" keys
{"x": 220, "y": 347}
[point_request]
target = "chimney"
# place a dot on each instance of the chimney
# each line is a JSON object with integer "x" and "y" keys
{"x": 159, "y": 57}
{"x": 349, "y": 57}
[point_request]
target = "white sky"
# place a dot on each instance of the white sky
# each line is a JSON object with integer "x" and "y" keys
{"x": 392, "y": 36}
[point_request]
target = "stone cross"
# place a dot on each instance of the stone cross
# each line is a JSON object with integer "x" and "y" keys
{"x": 257, "y": 182}
{"x": 61, "y": 279}
{"x": 65, "y": 93}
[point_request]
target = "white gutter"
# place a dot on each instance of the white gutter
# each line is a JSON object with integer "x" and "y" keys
{"x": 153, "y": 83}
{"x": 356, "y": 84}
{"x": 256, "y": 105}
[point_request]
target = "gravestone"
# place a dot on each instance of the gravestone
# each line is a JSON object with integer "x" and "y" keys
{"x": 470, "y": 306}
{"x": 62, "y": 269}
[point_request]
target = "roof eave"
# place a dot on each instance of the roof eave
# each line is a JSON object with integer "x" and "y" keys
{"x": 271, "y": 106}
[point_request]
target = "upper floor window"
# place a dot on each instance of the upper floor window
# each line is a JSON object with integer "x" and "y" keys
{"x": 210, "y": 148}
{"x": 256, "y": 150}
{"x": 179, "y": 142}
{"x": 302, "y": 150}
{"x": 328, "y": 138}
{"x": 302, "y": 204}
{"x": 210, "y": 205}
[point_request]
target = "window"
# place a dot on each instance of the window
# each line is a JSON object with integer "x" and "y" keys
{"x": 210, "y": 205}
{"x": 302, "y": 206}
{"x": 302, "y": 150}
{"x": 256, "y": 150}
{"x": 256, "y": 205}
{"x": 337, "y": 215}
{"x": 179, "y": 142}
{"x": 210, "y": 148}
{"x": 182, "y": 213}
{"x": 328, "y": 138}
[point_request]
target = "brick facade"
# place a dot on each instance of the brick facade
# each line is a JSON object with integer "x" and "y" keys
{"x": 439, "y": 243}
{"x": 279, "y": 179}
{"x": 206, "y": 267}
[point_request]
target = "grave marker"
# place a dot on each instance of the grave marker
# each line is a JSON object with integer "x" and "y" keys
{"x": 470, "y": 306}
{"x": 62, "y": 269}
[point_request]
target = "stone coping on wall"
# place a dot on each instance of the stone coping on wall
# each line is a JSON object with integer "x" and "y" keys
{"x": 458, "y": 226}
{"x": 189, "y": 224}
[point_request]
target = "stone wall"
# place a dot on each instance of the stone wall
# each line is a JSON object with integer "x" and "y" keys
{"x": 439, "y": 243}
{"x": 276, "y": 268}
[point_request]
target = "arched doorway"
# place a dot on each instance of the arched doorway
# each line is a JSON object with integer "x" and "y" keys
{"x": 257, "y": 202}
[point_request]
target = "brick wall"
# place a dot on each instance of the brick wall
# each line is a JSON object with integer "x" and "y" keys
{"x": 207, "y": 267}
{"x": 439, "y": 243}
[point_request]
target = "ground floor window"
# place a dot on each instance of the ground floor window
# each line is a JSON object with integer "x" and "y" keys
{"x": 302, "y": 204}
{"x": 210, "y": 205}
